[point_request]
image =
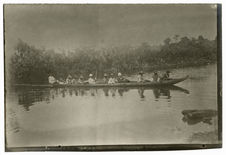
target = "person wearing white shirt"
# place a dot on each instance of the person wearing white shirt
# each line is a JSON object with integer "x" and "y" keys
{"x": 112, "y": 79}
{"x": 91, "y": 80}
{"x": 140, "y": 77}
{"x": 51, "y": 79}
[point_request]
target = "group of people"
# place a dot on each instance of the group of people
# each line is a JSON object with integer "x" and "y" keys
{"x": 114, "y": 79}
{"x": 71, "y": 80}
{"x": 108, "y": 79}
{"x": 155, "y": 78}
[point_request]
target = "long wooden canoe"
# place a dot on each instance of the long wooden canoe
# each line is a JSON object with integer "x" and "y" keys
{"x": 129, "y": 84}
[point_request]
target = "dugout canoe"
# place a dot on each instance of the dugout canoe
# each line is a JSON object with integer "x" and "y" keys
{"x": 129, "y": 84}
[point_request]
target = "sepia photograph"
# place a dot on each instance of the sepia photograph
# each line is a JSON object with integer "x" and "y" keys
{"x": 112, "y": 77}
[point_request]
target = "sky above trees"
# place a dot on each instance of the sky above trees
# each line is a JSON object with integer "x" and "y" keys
{"x": 67, "y": 27}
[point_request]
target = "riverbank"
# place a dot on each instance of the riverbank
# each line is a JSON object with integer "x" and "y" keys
{"x": 195, "y": 64}
{"x": 33, "y": 65}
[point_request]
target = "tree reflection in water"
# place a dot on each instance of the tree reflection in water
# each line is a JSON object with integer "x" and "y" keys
{"x": 28, "y": 96}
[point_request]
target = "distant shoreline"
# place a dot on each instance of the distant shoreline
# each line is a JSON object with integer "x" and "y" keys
{"x": 175, "y": 66}
{"x": 32, "y": 65}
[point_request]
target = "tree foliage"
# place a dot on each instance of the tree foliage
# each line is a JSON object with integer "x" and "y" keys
{"x": 32, "y": 65}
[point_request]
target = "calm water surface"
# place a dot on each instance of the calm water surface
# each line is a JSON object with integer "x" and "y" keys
{"x": 183, "y": 114}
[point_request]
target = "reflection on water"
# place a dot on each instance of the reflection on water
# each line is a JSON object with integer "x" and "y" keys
{"x": 162, "y": 93}
{"x": 141, "y": 93}
{"x": 186, "y": 113}
{"x": 27, "y": 97}
{"x": 13, "y": 122}
{"x": 192, "y": 117}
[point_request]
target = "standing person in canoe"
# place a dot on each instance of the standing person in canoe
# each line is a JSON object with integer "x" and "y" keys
{"x": 112, "y": 79}
{"x": 121, "y": 79}
{"x": 91, "y": 80}
{"x": 155, "y": 77}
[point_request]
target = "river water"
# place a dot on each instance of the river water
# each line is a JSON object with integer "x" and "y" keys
{"x": 183, "y": 114}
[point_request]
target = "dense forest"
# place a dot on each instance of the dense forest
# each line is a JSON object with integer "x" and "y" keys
{"x": 32, "y": 65}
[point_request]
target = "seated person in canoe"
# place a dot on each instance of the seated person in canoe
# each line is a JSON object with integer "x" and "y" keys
{"x": 52, "y": 79}
{"x": 69, "y": 79}
{"x": 81, "y": 80}
{"x": 140, "y": 77}
{"x": 91, "y": 80}
{"x": 166, "y": 76}
{"x": 105, "y": 79}
{"x": 155, "y": 77}
{"x": 61, "y": 81}
{"x": 121, "y": 79}
{"x": 74, "y": 81}
{"x": 112, "y": 79}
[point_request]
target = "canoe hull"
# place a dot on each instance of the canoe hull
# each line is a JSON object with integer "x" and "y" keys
{"x": 129, "y": 84}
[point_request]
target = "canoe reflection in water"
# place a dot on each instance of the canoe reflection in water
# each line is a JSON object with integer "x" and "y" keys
{"x": 27, "y": 97}
{"x": 164, "y": 92}
{"x": 161, "y": 93}
{"x": 192, "y": 117}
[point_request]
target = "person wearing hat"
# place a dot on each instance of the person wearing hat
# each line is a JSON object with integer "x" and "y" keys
{"x": 52, "y": 79}
{"x": 73, "y": 81}
{"x": 81, "y": 79}
{"x": 105, "y": 78}
{"x": 121, "y": 79}
{"x": 91, "y": 80}
{"x": 69, "y": 79}
{"x": 112, "y": 79}
{"x": 140, "y": 77}
{"x": 155, "y": 77}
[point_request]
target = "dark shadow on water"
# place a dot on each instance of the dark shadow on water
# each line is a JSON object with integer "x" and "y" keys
{"x": 192, "y": 117}
{"x": 28, "y": 96}
{"x": 161, "y": 94}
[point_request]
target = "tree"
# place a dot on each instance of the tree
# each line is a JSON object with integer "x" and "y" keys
{"x": 32, "y": 65}
{"x": 176, "y": 37}
{"x": 167, "y": 41}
